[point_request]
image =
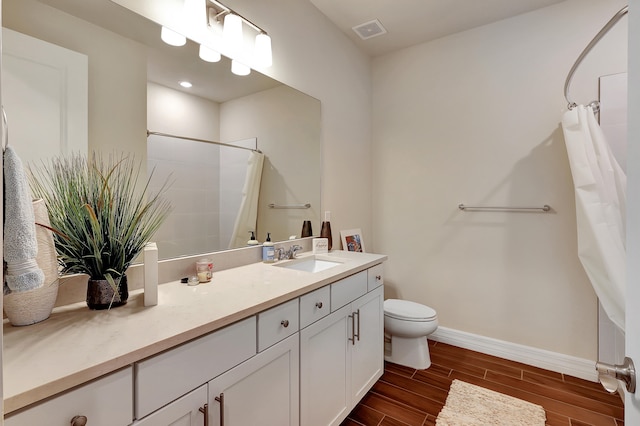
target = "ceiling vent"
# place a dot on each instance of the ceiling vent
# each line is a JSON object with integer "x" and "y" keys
{"x": 369, "y": 29}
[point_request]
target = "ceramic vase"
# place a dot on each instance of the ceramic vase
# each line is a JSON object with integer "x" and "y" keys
{"x": 31, "y": 307}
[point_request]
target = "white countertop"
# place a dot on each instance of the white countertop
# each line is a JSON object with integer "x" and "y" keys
{"x": 76, "y": 345}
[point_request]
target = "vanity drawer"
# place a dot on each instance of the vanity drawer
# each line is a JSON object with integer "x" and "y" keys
{"x": 105, "y": 401}
{"x": 277, "y": 323}
{"x": 348, "y": 289}
{"x": 375, "y": 278}
{"x": 315, "y": 305}
{"x": 171, "y": 374}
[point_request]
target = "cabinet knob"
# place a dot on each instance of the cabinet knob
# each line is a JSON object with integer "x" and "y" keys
{"x": 78, "y": 421}
{"x": 319, "y": 305}
{"x": 285, "y": 323}
{"x": 378, "y": 277}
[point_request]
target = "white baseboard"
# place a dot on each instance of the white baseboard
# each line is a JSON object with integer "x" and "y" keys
{"x": 565, "y": 364}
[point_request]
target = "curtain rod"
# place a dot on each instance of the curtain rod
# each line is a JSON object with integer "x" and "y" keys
{"x": 149, "y": 133}
{"x": 614, "y": 20}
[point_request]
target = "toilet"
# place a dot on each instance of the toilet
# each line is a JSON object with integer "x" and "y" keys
{"x": 406, "y": 326}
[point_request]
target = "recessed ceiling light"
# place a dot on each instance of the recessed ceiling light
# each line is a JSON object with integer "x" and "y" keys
{"x": 186, "y": 84}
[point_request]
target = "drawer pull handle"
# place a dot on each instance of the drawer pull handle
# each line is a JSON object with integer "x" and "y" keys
{"x": 205, "y": 410}
{"x": 378, "y": 277}
{"x": 285, "y": 323}
{"x": 319, "y": 305}
{"x": 357, "y": 335}
{"x": 78, "y": 421}
{"x": 220, "y": 399}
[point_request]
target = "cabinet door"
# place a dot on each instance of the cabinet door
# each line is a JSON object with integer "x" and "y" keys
{"x": 324, "y": 369}
{"x": 367, "y": 355}
{"x": 262, "y": 391}
{"x": 184, "y": 411}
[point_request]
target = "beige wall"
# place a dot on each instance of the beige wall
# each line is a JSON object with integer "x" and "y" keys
{"x": 474, "y": 118}
{"x": 109, "y": 81}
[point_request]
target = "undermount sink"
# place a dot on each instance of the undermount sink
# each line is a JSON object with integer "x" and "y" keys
{"x": 310, "y": 264}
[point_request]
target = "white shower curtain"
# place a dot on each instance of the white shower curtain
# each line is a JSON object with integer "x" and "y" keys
{"x": 600, "y": 192}
{"x": 248, "y": 212}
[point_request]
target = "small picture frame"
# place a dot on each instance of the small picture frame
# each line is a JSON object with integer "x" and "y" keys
{"x": 352, "y": 240}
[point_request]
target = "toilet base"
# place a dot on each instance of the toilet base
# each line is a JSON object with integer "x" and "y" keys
{"x": 409, "y": 351}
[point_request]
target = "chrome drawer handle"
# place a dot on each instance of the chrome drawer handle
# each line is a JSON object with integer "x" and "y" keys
{"x": 78, "y": 421}
{"x": 285, "y": 323}
{"x": 352, "y": 339}
{"x": 319, "y": 305}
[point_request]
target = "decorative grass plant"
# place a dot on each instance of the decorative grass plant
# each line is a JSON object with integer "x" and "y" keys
{"x": 100, "y": 217}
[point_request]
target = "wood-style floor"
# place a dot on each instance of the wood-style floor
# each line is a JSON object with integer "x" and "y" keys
{"x": 404, "y": 396}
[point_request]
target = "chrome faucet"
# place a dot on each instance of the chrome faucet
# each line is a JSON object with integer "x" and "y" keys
{"x": 282, "y": 254}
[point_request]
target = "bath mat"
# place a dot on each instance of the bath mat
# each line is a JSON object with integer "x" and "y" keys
{"x": 470, "y": 405}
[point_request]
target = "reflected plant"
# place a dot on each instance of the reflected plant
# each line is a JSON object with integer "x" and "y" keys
{"x": 101, "y": 218}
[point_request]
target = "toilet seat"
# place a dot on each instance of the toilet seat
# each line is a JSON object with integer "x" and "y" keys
{"x": 406, "y": 310}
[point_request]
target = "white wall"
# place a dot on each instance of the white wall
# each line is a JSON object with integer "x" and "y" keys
{"x": 288, "y": 129}
{"x": 474, "y": 118}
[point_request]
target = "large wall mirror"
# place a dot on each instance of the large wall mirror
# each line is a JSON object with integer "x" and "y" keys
{"x": 133, "y": 87}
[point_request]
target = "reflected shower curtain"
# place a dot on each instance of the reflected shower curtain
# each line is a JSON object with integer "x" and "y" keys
{"x": 248, "y": 212}
{"x": 600, "y": 192}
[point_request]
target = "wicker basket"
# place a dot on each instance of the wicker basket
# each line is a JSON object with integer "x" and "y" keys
{"x": 33, "y": 306}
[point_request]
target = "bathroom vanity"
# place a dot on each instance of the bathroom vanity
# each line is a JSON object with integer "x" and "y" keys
{"x": 265, "y": 344}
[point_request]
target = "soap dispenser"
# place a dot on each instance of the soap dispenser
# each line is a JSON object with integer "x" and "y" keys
{"x": 252, "y": 241}
{"x": 268, "y": 250}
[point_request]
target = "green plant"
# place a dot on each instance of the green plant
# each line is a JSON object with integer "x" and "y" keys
{"x": 100, "y": 217}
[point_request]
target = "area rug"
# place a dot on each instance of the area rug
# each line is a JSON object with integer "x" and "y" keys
{"x": 470, "y": 405}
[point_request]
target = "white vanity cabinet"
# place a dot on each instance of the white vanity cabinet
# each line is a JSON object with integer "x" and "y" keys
{"x": 107, "y": 401}
{"x": 261, "y": 391}
{"x": 342, "y": 354}
{"x": 170, "y": 375}
{"x": 189, "y": 410}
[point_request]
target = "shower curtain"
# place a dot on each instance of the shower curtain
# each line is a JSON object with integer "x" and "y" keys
{"x": 600, "y": 193}
{"x": 248, "y": 212}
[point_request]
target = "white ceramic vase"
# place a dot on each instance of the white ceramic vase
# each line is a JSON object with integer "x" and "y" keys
{"x": 34, "y": 306}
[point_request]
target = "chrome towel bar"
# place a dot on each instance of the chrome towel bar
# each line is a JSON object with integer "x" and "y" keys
{"x": 545, "y": 208}
{"x": 289, "y": 206}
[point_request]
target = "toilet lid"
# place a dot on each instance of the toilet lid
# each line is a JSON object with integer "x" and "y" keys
{"x": 407, "y": 310}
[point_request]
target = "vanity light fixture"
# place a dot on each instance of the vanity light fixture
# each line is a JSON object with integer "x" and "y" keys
{"x": 208, "y": 54}
{"x": 232, "y": 24}
{"x": 262, "y": 50}
{"x": 239, "y": 68}
{"x": 172, "y": 38}
{"x": 232, "y": 31}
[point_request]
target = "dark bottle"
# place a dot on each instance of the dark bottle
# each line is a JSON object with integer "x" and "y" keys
{"x": 325, "y": 232}
{"x": 306, "y": 229}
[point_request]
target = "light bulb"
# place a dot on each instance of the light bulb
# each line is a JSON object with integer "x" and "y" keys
{"x": 239, "y": 69}
{"x": 232, "y": 31}
{"x": 208, "y": 54}
{"x": 172, "y": 38}
{"x": 263, "y": 50}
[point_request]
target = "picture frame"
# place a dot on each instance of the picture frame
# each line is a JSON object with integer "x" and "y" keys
{"x": 352, "y": 240}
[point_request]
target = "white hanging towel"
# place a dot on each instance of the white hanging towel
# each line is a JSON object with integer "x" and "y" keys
{"x": 600, "y": 192}
{"x": 20, "y": 243}
{"x": 248, "y": 213}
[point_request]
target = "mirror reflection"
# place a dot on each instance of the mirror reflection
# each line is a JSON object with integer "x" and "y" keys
{"x": 133, "y": 87}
